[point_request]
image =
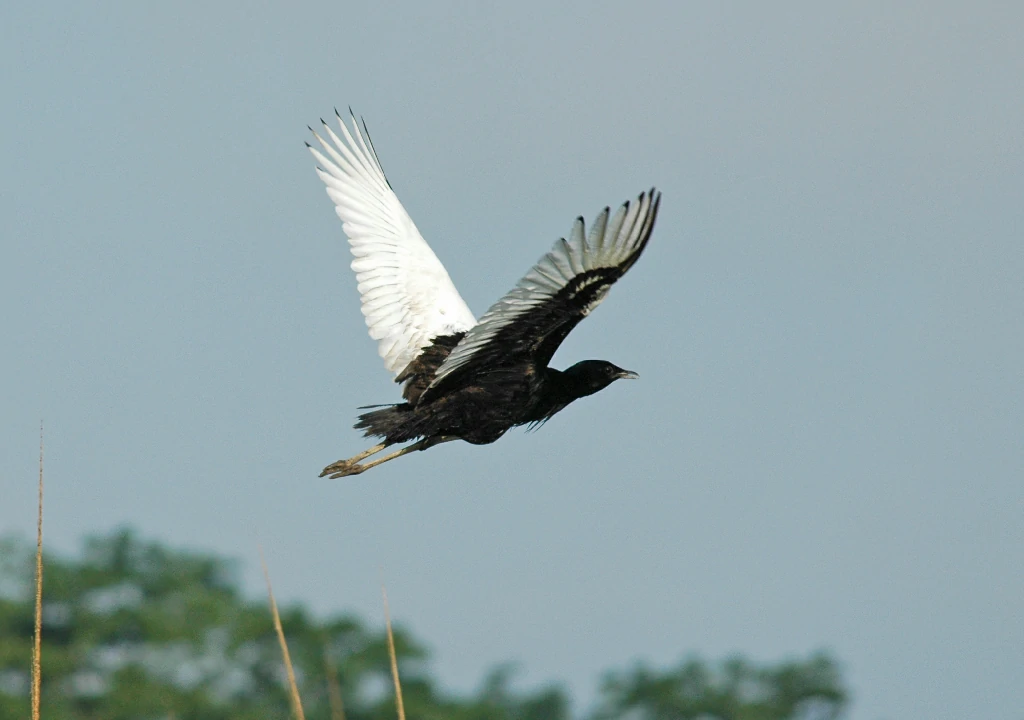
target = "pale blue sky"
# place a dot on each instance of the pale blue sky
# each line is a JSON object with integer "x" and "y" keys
{"x": 825, "y": 446}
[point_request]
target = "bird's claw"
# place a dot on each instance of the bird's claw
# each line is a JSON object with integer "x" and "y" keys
{"x": 342, "y": 468}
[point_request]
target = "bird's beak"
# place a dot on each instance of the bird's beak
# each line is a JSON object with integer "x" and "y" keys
{"x": 628, "y": 375}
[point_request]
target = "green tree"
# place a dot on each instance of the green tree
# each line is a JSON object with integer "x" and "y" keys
{"x": 133, "y": 629}
{"x": 737, "y": 690}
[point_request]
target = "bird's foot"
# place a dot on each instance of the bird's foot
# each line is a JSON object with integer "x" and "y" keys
{"x": 352, "y": 466}
{"x": 342, "y": 468}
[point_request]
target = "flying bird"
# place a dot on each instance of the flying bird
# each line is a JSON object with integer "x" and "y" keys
{"x": 466, "y": 379}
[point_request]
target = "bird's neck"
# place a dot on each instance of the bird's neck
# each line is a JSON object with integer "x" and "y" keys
{"x": 564, "y": 387}
{"x": 557, "y": 390}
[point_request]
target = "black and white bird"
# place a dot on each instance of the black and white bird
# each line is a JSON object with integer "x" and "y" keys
{"x": 466, "y": 379}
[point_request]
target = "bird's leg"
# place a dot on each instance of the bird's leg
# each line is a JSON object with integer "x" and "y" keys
{"x": 343, "y": 468}
{"x": 436, "y": 440}
{"x": 355, "y": 469}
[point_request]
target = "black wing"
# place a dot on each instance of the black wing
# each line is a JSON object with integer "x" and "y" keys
{"x": 531, "y": 321}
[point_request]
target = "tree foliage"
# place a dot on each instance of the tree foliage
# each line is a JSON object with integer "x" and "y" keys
{"x": 737, "y": 690}
{"x": 132, "y": 630}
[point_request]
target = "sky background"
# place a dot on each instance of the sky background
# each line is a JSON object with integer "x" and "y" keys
{"x": 825, "y": 446}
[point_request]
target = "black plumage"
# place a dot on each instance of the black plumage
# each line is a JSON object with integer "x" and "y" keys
{"x": 463, "y": 379}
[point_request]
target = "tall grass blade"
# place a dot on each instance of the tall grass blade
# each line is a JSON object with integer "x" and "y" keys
{"x": 292, "y": 685}
{"x": 394, "y": 658}
{"x": 37, "y": 646}
{"x": 333, "y": 687}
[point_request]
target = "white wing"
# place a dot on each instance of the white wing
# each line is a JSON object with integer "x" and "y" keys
{"x": 407, "y": 296}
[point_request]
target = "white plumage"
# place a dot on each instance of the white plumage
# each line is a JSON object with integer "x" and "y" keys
{"x": 407, "y": 296}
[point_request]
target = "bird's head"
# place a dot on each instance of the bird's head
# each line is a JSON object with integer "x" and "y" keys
{"x": 589, "y": 376}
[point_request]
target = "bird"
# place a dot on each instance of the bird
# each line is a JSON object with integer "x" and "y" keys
{"x": 463, "y": 378}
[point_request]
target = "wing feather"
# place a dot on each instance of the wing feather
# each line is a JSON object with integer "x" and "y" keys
{"x": 408, "y": 299}
{"x": 529, "y": 323}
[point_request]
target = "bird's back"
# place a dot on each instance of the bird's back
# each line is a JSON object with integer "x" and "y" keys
{"x": 418, "y": 374}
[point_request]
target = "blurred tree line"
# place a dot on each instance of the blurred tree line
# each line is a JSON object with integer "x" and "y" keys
{"x": 134, "y": 629}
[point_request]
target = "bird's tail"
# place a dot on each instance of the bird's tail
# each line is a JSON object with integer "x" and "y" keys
{"x": 393, "y": 423}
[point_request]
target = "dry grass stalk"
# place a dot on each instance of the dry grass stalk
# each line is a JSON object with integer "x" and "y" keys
{"x": 37, "y": 647}
{"x": 394, "y": 658}
{"x": 333, "y": 687}
{"x": 292, "y": 685}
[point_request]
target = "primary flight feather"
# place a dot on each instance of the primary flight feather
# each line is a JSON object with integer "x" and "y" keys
{"x": 408, "y": 298}
{"x": 463, "y": 379}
